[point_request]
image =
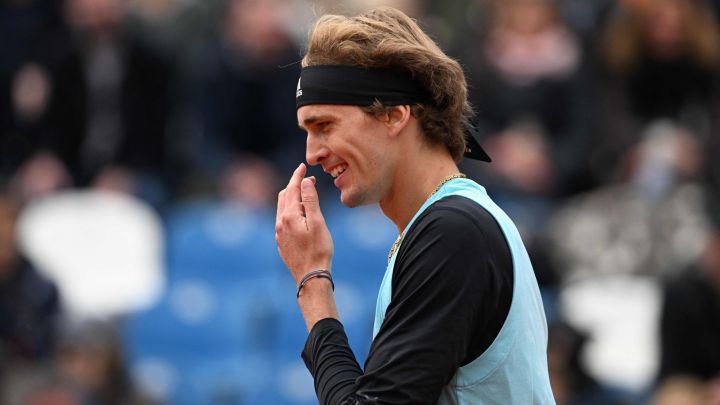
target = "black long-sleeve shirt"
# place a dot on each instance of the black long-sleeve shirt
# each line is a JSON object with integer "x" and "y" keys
{"x": 451, "y": 292}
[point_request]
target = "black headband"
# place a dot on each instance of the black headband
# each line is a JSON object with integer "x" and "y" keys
{"x": 354, "y": 85}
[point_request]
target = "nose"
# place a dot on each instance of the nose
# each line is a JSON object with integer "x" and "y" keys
{"x": 315, "y": 150}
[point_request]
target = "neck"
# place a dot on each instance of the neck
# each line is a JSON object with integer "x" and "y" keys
{"x": 415, "y": 179}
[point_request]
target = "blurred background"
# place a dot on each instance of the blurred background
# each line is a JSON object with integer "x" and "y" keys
{"x": 143, "y": 143}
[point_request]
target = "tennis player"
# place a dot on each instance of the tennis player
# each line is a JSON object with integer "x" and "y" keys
{"x": 459, "y": 318}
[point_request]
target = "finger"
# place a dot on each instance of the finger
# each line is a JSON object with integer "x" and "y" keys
{"x": 311, "y": 204}
{"x": 280, "y": 203}
{"x": 292, "y": 194}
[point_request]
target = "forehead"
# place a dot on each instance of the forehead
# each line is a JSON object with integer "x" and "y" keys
{"x": 309, "y": 114}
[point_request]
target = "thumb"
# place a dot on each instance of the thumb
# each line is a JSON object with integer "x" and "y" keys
{"x": 310, "y": 201}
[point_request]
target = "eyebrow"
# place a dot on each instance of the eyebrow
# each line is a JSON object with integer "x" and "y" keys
{"x": 313, "y": 119}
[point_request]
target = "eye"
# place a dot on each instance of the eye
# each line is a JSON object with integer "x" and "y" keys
{"x": 323, "y": 126}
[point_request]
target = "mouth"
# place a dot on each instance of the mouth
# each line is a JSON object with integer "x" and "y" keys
{"x": 336, "y": 171}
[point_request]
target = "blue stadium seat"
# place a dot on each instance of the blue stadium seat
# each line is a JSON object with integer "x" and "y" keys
{"x": 213, "y": 330}
{"x": 221, "y": 242}
{"x": 217, "y": 332}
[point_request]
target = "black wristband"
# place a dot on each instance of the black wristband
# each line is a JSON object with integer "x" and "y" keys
{"x": 315, "y": 274}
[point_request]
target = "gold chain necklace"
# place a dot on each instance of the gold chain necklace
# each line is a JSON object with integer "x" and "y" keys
{"x": 437, "y": 188}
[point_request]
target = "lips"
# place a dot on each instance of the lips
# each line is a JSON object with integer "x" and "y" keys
{"x": 337, "y": 170}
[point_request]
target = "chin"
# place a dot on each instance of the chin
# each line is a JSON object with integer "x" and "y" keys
{"x": 352, "y": 200}
{"x": 348, "y": 201}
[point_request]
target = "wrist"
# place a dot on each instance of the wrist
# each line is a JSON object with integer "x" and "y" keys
{"x": 312, "y": 275}
{"x": 317, "y": 285}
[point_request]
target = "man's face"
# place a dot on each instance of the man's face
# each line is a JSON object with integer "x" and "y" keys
{"x": 353, "y": 147}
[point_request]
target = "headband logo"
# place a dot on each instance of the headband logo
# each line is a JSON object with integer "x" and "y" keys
{"x": 298, "y": 92}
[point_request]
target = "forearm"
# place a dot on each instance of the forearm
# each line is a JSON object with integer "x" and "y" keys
{"x": 317, "y": 301}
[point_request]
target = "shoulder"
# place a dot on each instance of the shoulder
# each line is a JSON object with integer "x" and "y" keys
{"x": 454, "y": 230}
{"x": 454, "y": 214}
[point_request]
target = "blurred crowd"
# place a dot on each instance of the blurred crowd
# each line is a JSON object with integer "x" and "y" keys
{"x": 602, "y": 118}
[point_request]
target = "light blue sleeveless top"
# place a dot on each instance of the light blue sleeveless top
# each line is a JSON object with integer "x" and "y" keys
{"x": 513, "y": 370}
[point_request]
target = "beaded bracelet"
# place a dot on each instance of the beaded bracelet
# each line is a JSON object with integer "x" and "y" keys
{"x": 315, "y": 274}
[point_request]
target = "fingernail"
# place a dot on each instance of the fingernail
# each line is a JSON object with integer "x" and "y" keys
{"x": 306, "y": 183}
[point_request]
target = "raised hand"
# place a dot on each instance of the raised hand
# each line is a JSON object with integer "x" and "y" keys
{"x": 303, "y": 239}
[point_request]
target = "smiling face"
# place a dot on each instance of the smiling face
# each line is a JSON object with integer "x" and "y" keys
{"x": 353, "y": 147}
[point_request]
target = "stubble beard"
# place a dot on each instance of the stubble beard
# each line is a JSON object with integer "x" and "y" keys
{"x": 358, "y": 196}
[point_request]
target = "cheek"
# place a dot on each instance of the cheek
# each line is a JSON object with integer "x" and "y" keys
{"x": 374, "y": 170}
{"x": 367, "y": 161}
{"x": 366, "y": 150}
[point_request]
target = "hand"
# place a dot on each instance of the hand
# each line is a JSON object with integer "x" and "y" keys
{"x": 304, "y": 241}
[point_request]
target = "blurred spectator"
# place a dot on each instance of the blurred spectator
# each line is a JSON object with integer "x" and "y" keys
{"x": 690, "y": 323}
{"x": 26, "y": 27}
{"x": 87, "y": 92}
{"x": 250, "y": 181}
{"x": 661, "y": 58}
{"x": 26, "y": 130}
{"x": 666, "y": 51}
{"x": 88, "y": 369}
{"x": 109, "y": 102}
{"x": 243, "y": 76}
{"x": 651, "y": 222}
{"x": 456, "y": 19}
{"x": 526, "y": 87}
{"x": 40, "y": 176}
{"x": 32, "y": 169}
{"x": 90, "y": 360}
{"x": 29, "y": 304}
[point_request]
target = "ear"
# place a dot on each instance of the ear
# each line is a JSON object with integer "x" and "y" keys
{"x": 398, "y": 118}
